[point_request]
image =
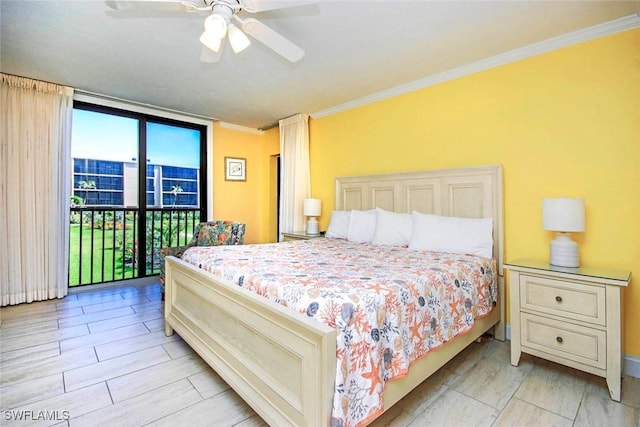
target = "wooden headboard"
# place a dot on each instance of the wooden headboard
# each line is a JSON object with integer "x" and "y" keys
{"x": 472, "y": 192}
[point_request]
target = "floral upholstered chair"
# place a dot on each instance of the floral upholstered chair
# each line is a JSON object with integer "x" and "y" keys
{"x": 212, "y": 233}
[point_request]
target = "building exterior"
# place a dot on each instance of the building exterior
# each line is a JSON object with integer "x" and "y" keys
{"x": 110, "y": 183}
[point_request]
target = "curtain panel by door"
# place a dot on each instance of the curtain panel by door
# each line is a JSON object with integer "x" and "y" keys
{"x": 295, "y": 181}
{"x": 35, "y": 141}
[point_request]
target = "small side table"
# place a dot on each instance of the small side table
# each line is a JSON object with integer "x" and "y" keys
{"x": 299, "y": 235}
{"x": 571, "y": 316}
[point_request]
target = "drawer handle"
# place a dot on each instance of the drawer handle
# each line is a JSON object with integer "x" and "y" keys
{"x": 559, "y": 298}
{"x": 559, "y": 339}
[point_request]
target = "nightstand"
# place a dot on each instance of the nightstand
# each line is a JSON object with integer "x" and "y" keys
{"x": 571, "y": 316}
{"x": 299, "y": 235}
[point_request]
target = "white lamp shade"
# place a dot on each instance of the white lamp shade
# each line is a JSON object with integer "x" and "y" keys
{"x": 237, "y": 39}
{"x": 216, "y": 25}
{"x": 563, "y": 214}
{"x": 211, "y": 41}
{"x": 312, "y": 207}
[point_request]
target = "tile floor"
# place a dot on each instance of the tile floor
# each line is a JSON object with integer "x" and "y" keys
{"x": 100, "y": 357}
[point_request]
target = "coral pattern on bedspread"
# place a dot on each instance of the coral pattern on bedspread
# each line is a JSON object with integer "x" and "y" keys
{"x": 390, "y": 305}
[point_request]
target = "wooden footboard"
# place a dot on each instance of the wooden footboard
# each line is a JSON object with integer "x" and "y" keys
{"x": 281, "y": 363}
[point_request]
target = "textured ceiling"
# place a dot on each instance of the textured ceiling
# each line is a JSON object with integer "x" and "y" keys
{"x": 353, "y": 49}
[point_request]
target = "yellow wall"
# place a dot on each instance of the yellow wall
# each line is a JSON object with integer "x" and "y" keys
{"x": 565, "y": 123}
{"x": 244, "y": 201}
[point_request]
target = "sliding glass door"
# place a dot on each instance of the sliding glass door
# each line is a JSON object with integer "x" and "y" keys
{"x": 174, "y": 200}
{"x": 138, "y": 185}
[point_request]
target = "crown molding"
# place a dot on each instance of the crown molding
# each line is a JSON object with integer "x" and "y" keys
{"x": 240, "y": 128}
{"x": 575, "y": 37}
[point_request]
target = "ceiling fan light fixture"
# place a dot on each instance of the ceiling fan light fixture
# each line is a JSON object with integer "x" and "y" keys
{"x": 216, "y": 25}
{"x": 237, "y": 39}
{"x": 211, "y": 41}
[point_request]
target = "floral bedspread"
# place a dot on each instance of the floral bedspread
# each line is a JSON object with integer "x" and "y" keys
{"x": 390, "y": 305}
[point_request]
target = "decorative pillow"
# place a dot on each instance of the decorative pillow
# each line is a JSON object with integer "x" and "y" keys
{"x": 452, "y": 234}
{"x": 338, "y": 225}
{"x": 362, "y": 226}
{"x": 392, "y": 228}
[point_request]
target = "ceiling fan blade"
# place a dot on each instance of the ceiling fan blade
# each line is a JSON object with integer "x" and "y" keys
{"x": 165, "y": 5}
{"x": 253, "y": 6}
{"x": 271, "y": 39}
{"x": 210, "y": 56}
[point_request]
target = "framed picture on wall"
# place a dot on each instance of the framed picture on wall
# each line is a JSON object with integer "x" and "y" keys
{"x": 235, "y": 169}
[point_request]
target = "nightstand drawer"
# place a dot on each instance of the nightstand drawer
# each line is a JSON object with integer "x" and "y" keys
{"x": 290, "y": 237}
{"x": 576, "y": 301}
{"x": 565, "y": 340}
{"x": 299, "y": 235}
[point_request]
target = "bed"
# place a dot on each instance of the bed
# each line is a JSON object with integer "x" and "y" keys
{"x": 282, "y": 362}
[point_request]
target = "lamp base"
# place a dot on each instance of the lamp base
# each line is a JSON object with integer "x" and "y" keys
{"x": 563, "y": 252}
{"x": 312, "y": 227}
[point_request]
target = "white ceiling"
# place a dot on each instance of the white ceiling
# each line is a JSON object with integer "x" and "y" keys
{"x": 353, "y": 49}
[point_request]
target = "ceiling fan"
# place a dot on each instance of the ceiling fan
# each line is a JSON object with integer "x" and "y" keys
{"x": 222, "y": 15}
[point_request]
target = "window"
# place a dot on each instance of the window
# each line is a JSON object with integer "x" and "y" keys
{"x": 139, "y": 184}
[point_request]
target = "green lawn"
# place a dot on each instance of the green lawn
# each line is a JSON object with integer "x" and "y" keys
{"x": 106, "y": 267}
{"x": 114, "y": 260}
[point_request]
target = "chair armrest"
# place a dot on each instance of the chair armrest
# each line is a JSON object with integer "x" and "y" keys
{"x": 175, "y": 251}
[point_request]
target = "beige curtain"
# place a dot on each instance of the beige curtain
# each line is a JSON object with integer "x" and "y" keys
{"x": 35, "y": 141}
{"x": 295, "y": 182}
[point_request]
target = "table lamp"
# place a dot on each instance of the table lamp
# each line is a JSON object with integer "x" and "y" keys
{"x": 564, "y": 216}
{"x": 312, "y": 210}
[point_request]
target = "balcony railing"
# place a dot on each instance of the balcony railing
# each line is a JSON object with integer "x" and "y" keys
{"x": 104, "y": 242}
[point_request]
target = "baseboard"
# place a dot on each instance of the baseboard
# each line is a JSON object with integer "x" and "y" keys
{"x": 630, "y": 367}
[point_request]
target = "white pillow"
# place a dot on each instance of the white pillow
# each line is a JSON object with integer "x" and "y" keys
{"x": 452, "y": 234}
{"x": 392, "y": 228}
{"x": 362, "y": 226}
{"x": 338, "y": 225}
